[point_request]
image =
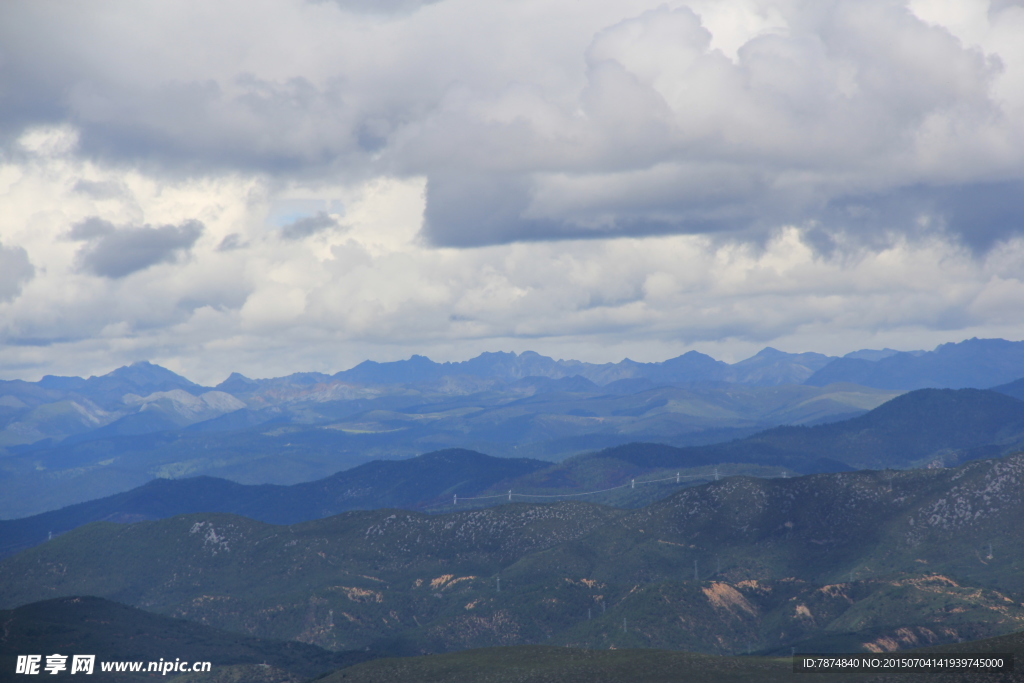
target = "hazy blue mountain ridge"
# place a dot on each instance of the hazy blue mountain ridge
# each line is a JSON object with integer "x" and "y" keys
{"x": 938, "y": 427}
{"x": 68, "y": 440}
{"x": 768, "y": 367}
{"x": 408, "y": 484}
{"x": 1015, "y": 389}
{"x": 977, "y": 363}
{"x": 908, "y": 431}
{"x": 135, "y": 399}
{"x": 540, "y": 417}
{"x": 941, "y": 426}
{"x": 59, "y": 407}
{"x": 141, "y": 378}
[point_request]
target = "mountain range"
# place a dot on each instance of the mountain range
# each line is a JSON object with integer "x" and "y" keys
{"x": 310, "y": 441}
{"x": 978, "y": 363}
{"x": 841, "y": 561}
{"x": 974, "y": 363}
{"x": 869, "y": 502}
{"x": 411, "y": 483}
{"x": 65, "y": 440}
{"x": 143, "y": 397}
{"x": 928, "y": 426}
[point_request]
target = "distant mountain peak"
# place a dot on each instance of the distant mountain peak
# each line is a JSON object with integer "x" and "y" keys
{"x": 970, "y": 363}
{"x": 974, "y": 343}
{"x": 239, "y": 377}
{"x": 144, "y": 370}
{"x": 873, "y": 354}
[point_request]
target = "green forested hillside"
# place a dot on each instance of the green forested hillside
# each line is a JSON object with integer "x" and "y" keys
{"x": 114, "y": 632}
{"x": 845, "y": 560}
{"x": 430, "y": 478}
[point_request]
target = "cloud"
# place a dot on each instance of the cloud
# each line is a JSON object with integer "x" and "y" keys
{"x": 871, "y": 104}
{"x": 118, "y": 252}
{"x": 981, "y": 215}
{"x": 378, "y": 290}
{"x": 618, "y": 119}
{"x": 310, "y": 225}
{"x": 100, "y": 190}
{"x": 15, "y": 271}
{"x": 231, "y": 242}
{"x": 613, "y": 178}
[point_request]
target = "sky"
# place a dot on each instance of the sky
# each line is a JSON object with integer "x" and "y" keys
{"x": 297, "y": 185}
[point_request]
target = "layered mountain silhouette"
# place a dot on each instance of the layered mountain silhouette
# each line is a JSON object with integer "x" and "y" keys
{"x": 410, "y": 483}
{"x": 977, "y": 363}
{"x": 908, "y": 431}
{"x": 929, "y": 426}
{"x": 534, "y": 417}
{"x": 66, "y": 440}
{"x": 58, "y": 407}
{"x": 883, "y": 512}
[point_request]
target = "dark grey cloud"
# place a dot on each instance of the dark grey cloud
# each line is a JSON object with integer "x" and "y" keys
{"x": 250, "y": 123}
{"x": 31, "y": 89}
{"x": 475, "y": 210}
{"x": 115, "y": 252}
{"x": 478, "y": 209}
{"x": 996, "y": 6}
{"x": 850, "y": 111}
{"x": 15, "y": 271}
{"x": 982, "y": 214}
{"x": 101, "y": 189}
{"x": 979, "y": 215}
{"x": 231, "y": 242}
{"x": 310, "y": 225}
{"x": 91, "y": 228}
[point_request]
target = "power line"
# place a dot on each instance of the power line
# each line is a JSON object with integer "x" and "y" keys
{"x": 632, "y": 485}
